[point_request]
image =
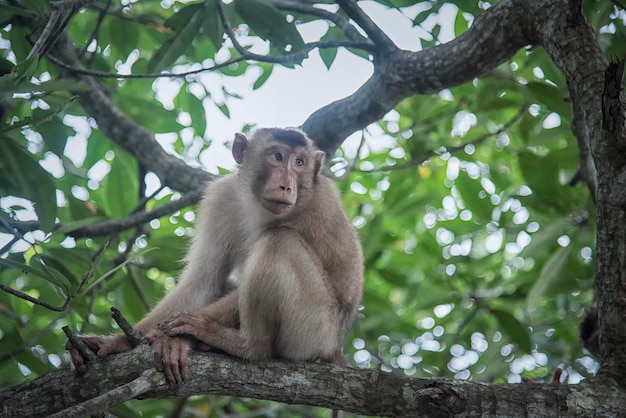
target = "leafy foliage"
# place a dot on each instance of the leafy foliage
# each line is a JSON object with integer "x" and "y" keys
{"x": 479, "y": 254}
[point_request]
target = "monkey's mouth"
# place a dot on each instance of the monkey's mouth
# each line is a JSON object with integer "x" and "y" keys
{"x": 277, "y": 206}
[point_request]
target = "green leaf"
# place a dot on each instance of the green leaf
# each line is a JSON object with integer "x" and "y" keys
{"x": 54, "y": 133}
{"x": 19, "y": 35}
{"x": 270, "y": 24}
{"x": 512, "y": 328}
{"x": 21, "y": 175}
{"x": 265, "y": 75}
{"x": 124, "y": 36}
{"x": 550, "y": 273}
{"x": 97, "y": 147}
{"x": 212, "y": 26}
{"x": 550, "y": 96}
{"x": 328, "y": 56}
{"x": 180, "y": 19}
{"x": 198, "y": 116}
{"x": 39, "y": 6}
{"x": 544, "y": 240}
{"x": 122, "y": 185}
{"x": 469, "y": 189}
{"x": 42, "y": 271}
{"x": 422, "y": 16}
{"x": 460, "y": 23}
{"x": 175, "y": 47}
{"x": 34, "y": 121}
{"x": 224, "y": 109}
{"x": 16, "y": 10}
{"x": 112, "y": 271}
{"x": 27, "y": 67}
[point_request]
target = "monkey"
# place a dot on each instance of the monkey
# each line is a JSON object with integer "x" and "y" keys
{"x": 278, "y": 224}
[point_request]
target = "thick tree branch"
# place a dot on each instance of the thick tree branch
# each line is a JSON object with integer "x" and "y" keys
{"x": 367, "y": 392}
{"x": 609, "y": 149}
{"x": 495, "y": 36}
{"x": 383, "y": 42}
{"x": 135, "y": 139}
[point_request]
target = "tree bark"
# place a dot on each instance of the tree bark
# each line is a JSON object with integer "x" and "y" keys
{"x": 366, "y": 392}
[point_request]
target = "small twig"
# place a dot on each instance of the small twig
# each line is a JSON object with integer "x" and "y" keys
{"x": 94, "y": 33}
{"x": 178, "y": 409}
{"x": 9, "y": 244}
{"x": 79, "y": 344}
{"x": 10, "y": 314}
{"x": 141, "y": 205}
{"x": 46, "y": 33}
{"x": 133, "y": 335}
{"x": 351, "y": 166}
{"x": 103, "y": 74}
{"x": 135, "y": 282}
{"x": 36, "y": 301}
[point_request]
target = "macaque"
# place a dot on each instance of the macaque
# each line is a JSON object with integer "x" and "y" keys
{"x": 278, "y": 225}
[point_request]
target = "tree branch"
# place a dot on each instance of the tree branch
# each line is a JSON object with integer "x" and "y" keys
{"x": 366, "y": 392}
{"x": 381, "y": 40}
{"x": 150, "y": 379}
{"x": 138, "y": 141}
{"x": 495, "y": 36}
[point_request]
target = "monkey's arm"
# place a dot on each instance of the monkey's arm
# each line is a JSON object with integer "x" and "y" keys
{"x": 171, "y": 353}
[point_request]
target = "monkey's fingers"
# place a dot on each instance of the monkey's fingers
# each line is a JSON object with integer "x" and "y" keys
{"x": 180, "y": 328}
{"x": 171, "y": 363}
{"x": 182, "y": 361}
{"x": 169, "y": 372}
{"x": 158, "y": 355}
{"x": 77, "y": 359}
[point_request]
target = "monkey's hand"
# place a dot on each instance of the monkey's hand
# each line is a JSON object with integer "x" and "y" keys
{"x": 197, "y": 326}
{"x": 101, "y": 345}
{"x": 170, "y": 355}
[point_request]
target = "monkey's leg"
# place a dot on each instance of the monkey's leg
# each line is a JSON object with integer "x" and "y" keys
{"x": 286, "y": 306}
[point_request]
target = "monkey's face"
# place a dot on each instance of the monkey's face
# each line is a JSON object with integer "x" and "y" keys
{"x": 279, "y": 167}
{"x": 285, "y": 169}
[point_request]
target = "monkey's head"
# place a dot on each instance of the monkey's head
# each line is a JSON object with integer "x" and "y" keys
{"x": 279, "y": 166}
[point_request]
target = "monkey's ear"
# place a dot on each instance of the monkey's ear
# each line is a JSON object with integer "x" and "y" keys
{"x": 319, "y": 160}
{"x": 239, "y": 146}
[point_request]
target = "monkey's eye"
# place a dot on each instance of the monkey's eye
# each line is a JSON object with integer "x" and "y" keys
{"x": 278, "y": 156}
{"x": 299, "y": 162}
